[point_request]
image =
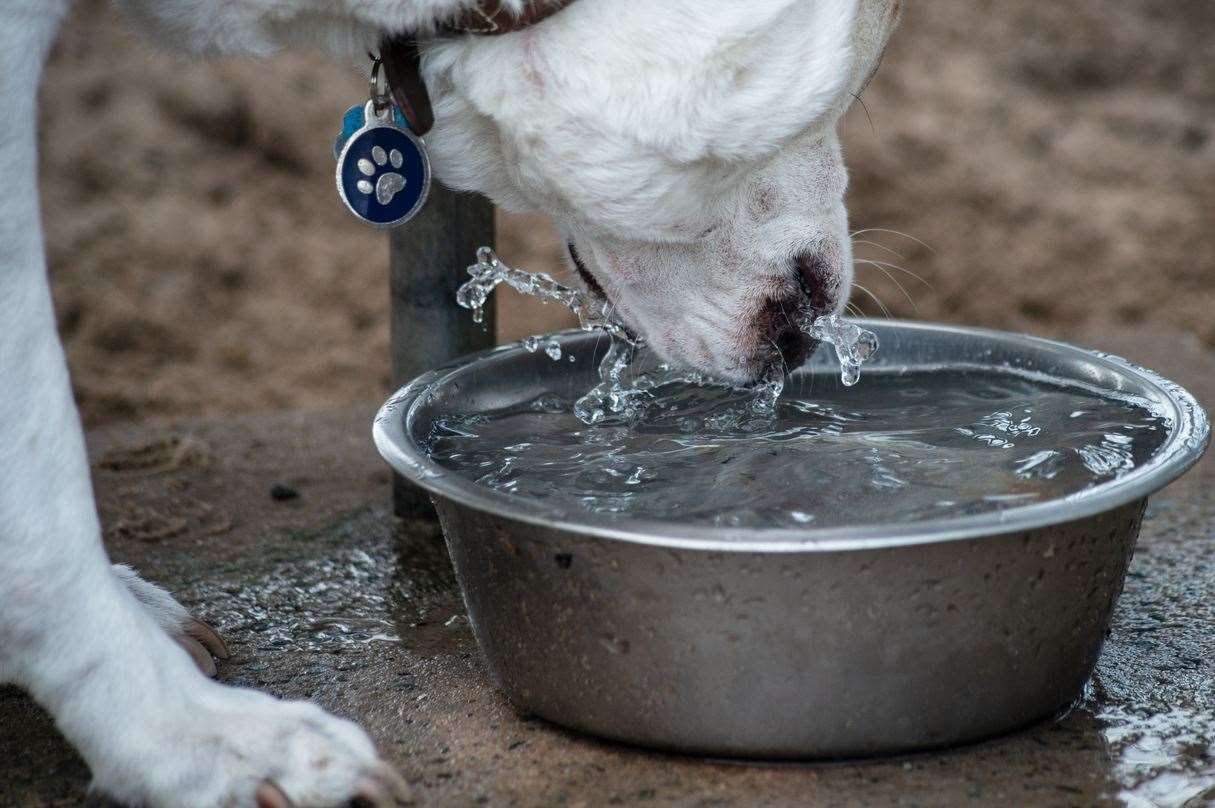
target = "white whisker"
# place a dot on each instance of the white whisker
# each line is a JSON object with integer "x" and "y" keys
{"x": 895, "y": 267}
{"x": 893, "y": 280}
{"x": 880, "y": 246}
{"x": 875, "y": 299}
{"x": 895, "y": 232}
{"x": 784, "y": 366}
{"x": 785, "y": 314}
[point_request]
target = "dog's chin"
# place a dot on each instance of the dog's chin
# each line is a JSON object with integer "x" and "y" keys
{"x": 707, "y": 339}
{"x": 743, "y": 364}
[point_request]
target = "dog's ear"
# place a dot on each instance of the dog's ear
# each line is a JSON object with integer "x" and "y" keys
{"x": 787, "y": 68}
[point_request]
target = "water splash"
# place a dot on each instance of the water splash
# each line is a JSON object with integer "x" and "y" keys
{"x": 628, "y": 373}
{"x": 551, "y": 346}
{"x": 488, "y": 272}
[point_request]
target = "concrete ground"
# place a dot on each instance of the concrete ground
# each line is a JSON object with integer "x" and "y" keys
{"x": 276, "y": 529}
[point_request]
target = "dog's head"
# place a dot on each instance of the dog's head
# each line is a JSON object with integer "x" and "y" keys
{"x": 686, "y": 149}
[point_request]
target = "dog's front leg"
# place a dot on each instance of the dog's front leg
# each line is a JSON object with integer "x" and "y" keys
{"x": 151, "y": 727}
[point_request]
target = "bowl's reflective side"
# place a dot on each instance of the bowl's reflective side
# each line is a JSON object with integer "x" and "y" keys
{"x": 816, "y": 654}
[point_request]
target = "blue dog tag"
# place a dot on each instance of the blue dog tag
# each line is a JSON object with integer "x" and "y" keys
{"x": 383, "y": 173}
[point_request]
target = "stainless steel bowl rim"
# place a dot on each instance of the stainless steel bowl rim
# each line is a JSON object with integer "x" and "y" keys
{"x": 1184, "y": 446}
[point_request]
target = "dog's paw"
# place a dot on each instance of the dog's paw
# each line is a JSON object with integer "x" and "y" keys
{"x": 231, "y": 748}
{"x": 201, "y": 642}
{"x": 390, "y": 183}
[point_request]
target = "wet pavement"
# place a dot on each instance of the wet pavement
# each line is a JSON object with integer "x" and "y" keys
{"x": 277, "y": 530}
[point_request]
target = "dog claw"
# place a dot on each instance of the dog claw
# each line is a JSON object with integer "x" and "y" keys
{"x": 200, "y": 654}
{"x": 200, "y": 640}
{"x": 388, "y": 789}
{"x": 372, "y": 795}
{"x": 384, "y": 788}
{"x": 209, "y": 637}
{"x": 269, "y": 795}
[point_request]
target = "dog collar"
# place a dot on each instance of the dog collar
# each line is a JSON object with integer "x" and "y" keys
{"x": 402, "y": 57}
{"x": 383, "y": 171}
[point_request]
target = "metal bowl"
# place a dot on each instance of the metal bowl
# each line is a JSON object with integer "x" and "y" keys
{"x": 792, "y": 643}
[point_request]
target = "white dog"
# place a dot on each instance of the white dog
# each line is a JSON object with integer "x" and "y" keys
{"x": 688, "y": 151}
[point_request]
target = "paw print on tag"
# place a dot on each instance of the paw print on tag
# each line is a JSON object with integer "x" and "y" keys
{"x": 383, "y": 173}
{"x": 389, "y": 182}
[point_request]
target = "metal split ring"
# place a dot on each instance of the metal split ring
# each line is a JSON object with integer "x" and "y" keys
{"x": 381, "y": 98}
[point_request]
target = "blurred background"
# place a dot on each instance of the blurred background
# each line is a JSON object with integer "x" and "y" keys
{"x": 1055, "y": 156}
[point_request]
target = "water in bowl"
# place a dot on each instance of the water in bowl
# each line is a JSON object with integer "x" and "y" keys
{"x": 650, "y": 442}
{"x": 902, "y": 447}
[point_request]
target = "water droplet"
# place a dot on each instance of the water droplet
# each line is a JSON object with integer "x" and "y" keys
{"x": 854, "y": 346}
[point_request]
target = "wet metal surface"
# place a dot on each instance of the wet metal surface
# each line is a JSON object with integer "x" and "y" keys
{"x": 327, "y": 597}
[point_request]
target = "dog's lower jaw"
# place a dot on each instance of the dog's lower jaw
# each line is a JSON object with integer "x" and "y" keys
{"x": 153, "y": 730}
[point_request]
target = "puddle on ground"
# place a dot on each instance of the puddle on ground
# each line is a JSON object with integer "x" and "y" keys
{"x": 1154, "y": 689}
{"x": 1161, "y": 759}
{"x": 343, "y": 597}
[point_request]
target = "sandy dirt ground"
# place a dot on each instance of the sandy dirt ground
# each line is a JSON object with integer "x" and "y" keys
{"x": 1057, "y": 157}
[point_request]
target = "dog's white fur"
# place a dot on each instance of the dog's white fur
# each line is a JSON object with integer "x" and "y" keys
{"x": 686, "y": 147}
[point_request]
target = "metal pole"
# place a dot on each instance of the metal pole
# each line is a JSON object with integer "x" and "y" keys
{"x": 427, "y": 258}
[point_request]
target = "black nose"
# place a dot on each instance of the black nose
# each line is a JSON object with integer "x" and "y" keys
{"x": 819, "y": 284}
{"x": 781, "y": 319}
